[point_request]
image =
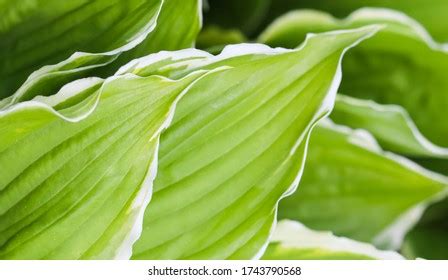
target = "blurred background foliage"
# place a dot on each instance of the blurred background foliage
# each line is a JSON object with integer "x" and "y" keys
{"x": 252, "y": 16}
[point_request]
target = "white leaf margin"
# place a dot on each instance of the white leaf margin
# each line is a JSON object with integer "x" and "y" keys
{"x": 325, "y": 110}
{"x": 392, "y": 236}
{"x": 387, "y": 18}
{"x": 200, "y": 58}
{"x": 124, "y": 252}
{"x": 398, "y": 112}
{"x": 47, "y": 103}
{"x": 144, "y": 197}
{"x": 368, "y": 15}
{"x": 49, "y": 70}
{"x": 292, "y": 234}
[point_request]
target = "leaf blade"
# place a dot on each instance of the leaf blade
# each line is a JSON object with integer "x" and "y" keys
{"x": 354, "y": 180}
{"x": 293, "y": 241}
{"x": 76, "y": 187}
{"x": 222, "y": 118}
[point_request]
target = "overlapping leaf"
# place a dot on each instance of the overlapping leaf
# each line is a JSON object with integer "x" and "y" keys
{"x": 77, "y": 164}
{"x": 400, "y": 66}
{"x": 236, "y": 145}
{"x": 177, "y": 27}
{"x": 97, "y": 31}
{"x": 293, "y": 241}
{"x": 353, "y": 188}
{"x": 77, "y": 167}
{"x": 432, "y": 14}
{"x": 94, "y": 33}
{"x": 390, "y": 123}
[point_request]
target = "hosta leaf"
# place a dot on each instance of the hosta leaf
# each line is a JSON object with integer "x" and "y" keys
{"x": 76, "y": 168}
{"x": 177, "y": 27}
{"x": 95, "y": 32}
{"x": 236, "y": 146}
{"x": 114, "y": 26}
{"x": 432, "y": 14}
{"x": 349, "y": 180}
{"x": 179, "y": 24}
{"x": 179, "y": 63}
{"x": 391, "y": 125}
{"x": 293, "y": 241}
{"x": 400, "y": 65}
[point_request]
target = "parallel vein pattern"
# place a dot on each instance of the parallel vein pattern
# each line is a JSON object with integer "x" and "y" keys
{"x": 293, "y": 241}
{"x": 349, "y": 180}
{"x": 76, "y": 188}
{"x": 236, "y": 145}
{"x": 51, "y": 31}
{"x": 401, "y": 69}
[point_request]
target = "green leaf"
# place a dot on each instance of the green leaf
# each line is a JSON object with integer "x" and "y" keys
{"x": 120, "y": 30}
{"x": 400, "y": 65}
{"x": 349, "y": 180}
{"x": 391, "y": 125}
{"x": 178, "y": 26}
{"x": 180, "y": 22}
{"x": 293, "y": 241}
{"x": 432, "y": 14}
{"x": 93, "y": 32}
{"x": 236, "y": 145}
{"x": 77, "y": 167}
